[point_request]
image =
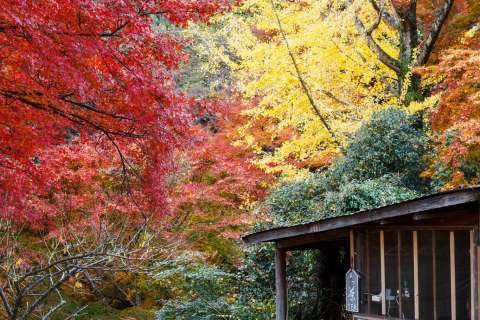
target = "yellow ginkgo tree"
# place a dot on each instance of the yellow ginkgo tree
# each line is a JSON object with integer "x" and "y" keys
{"x": 317, "y": 68}
{"x": 313, "y": 74}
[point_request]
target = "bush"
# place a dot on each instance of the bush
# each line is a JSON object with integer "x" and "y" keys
{"x": 203, "y": 290}
{"x": 391, "y": 143}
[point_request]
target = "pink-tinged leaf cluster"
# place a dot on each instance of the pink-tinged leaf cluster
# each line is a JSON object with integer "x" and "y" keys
{"x": 221, "y": 179}
{"x": 86, "y": 98}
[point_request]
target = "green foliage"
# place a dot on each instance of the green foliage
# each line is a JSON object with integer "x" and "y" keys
{"x": 356, "y": 196}
{"x": 381, "y": 166}
{"x": 205, "y": 291}
{"x": 298, "y": 201}
{"x": 256, "y": 283}
{"x": 248, "y": 294}
{"x": 392, "y": 142}
{"x": 256, "y": 279}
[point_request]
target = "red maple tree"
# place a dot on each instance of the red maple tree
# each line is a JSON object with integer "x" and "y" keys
{"x": 89, "y": 113}
{"x": 456, "y": 119}
{"x": 219, "y": 181}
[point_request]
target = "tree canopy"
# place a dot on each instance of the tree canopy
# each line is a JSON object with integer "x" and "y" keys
{"x": 88, "y": 104}
{"x": 139, "y": 139}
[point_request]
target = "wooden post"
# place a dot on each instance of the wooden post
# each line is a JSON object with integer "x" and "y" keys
{"x": 399, "y": 273}
{"x": 476, "y": 249}
{"x": 415, "y": 276}
{"x": 473, "y": 277}
{"x": 280, "y": 284}
{"x": 434, "y": 273}
{"x": 453, "y": 291}
{"x": 368, "y": 275}
{"x": 382, "y": 272}
{"x": 477, "y": 279}
{"x": 352, "y": 249}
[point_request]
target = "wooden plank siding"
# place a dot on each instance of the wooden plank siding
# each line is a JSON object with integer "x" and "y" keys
{"x": 416, "y": 296}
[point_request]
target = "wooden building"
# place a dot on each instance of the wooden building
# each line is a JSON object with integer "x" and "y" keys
{"x": 412, "y": 260}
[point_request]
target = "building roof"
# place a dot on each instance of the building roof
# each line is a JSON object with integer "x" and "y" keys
{"x": 406, "y": 208}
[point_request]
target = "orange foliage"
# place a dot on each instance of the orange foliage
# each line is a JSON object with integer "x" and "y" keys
{"x": 456, "y": 120}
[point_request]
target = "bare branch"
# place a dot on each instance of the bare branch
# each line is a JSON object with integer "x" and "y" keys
{"x": 76, "y": 313}
{"x": 90, "y": 257}
{"x": 8, "y": 309}
{"x": 336, "y": 99}
{"x": 53, "y": 310}
{"x": 375, "y": 24}
{"x": 46, "y": 294}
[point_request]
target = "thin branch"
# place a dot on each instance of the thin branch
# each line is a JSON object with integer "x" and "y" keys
{"x": 5, "y": 302}
{"x": 53, "y": 310}
{"x": 302, "y": 81}
{"x": 383, "y": 56}
{"x": 376, "y": 23}
{"x": 51, "y": 265}
{"x": 76, "y": 313}
{"x": 336, "y": 99}
{"x": 89, "y": 107}
{"x": 73, "y": 117}
{"x": 387, "y": 17}
{"x": 114, "y": 32}
{"x": 45, "y": 294}
{"x": 40, "y": 280}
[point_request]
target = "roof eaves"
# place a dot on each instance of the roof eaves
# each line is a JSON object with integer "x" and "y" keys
{"x": 425, "y": 203}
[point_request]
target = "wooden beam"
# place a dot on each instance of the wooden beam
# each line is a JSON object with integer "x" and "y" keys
{"x": 434, "y": 273}
{"x": 473, "y": 281}
{"x": 431, "y": 215}
{"x": 382, "y": 271}
{"x": 310, "y": 240}
{"x": 453, "y": 290}
{"x": 280, "y": 285}
{"x": 415, "y": 277}
{"x": 403, "y": 227}
{"x": 352, "y": 249}
{"x": 399, "y": 273}
{"x": 367, "y": 272}
{"x": 437, "y": 201}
